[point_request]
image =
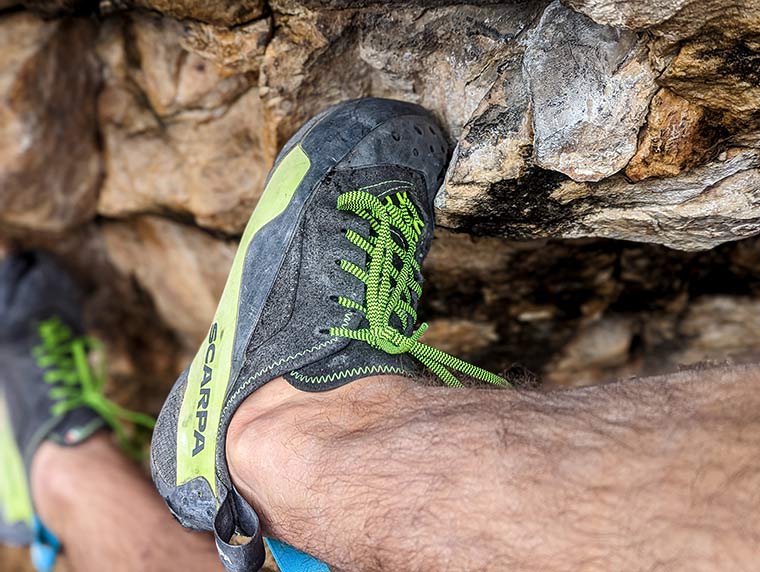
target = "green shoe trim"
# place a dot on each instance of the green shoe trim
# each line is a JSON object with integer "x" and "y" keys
{"x": 76, "y": 382}
{"x": 352, "y": 373}
{"x": 391, "y": 277}
{"x": 208, "y": 377}
{"x": 15, "y": 500}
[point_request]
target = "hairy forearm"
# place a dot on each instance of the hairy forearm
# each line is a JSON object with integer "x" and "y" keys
{"x": 657, "y": 474}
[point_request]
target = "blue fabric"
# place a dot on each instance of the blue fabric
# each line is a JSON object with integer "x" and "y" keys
{"x": 291, "y": 560}
{"x": 44, "y": 548}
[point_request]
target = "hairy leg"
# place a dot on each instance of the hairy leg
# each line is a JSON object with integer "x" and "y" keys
{"x": 108, "y": 515}
{"x": 383, "y": 474}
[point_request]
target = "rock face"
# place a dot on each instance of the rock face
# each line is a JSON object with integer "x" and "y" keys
{"x": 182, "y": 267}
{"x": 678, "y": 135}
{"x": 180, "y": 133}
{"x": 219, "y": 12}
{"x": 50, "y": 167}
{"x": 590, "y": 87}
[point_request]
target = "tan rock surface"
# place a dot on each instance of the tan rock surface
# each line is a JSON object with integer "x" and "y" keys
{"x": 721, "y": 328}
{"x": 49, "y": 163}
{"x": 319, "y": 57}
{"x": 677, "y": 136}
{"x": 721, "y": 72}
{"x": 180, "y": 134}
{"x": 237, "y": 50}
{"x": 219, "y": 12}
{"x": 673, "y": 19}
{"x": 183, "y": 269}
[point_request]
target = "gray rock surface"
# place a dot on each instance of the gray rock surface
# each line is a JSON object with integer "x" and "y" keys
{"x": 590, "y": 88}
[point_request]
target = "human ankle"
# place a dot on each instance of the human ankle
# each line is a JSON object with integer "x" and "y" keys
{"x": 279, "y": 434}
{"x": 57, "y": 474}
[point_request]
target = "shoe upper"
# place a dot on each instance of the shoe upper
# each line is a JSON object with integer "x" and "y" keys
{"x": 35, "y": 289}
{"x": 323, "y": 291}
{"x": 16, "y": 512}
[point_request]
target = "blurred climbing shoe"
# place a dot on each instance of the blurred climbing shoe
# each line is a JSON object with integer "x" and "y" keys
{"x": 323, "y": 290}
{"x": 49, "y": 389}
{"x": 18, "y": 524}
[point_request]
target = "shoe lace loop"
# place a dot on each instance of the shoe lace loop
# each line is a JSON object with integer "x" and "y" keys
{"x": 392, "y": 281}
{"x": 76, "y": 382}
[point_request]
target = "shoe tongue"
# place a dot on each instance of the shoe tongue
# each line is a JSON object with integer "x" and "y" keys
{"x": 355, "y": 361}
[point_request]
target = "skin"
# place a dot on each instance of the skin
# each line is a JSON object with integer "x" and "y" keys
{"x": 386, "y": 474}
{"x": 109, "y": 516}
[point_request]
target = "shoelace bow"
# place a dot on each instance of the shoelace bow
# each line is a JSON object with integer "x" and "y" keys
{"x": 390, "y": 278}
{"x": 76, "y": 383}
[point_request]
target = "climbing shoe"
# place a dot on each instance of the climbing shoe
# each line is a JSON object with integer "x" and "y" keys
{"x": 323, "y": 290}
{"x": 49, "y": 388}
{"x": 18, "y": 524}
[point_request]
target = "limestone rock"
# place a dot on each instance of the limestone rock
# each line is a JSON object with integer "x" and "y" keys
{"x": 173, "y": 79}
{"x": 721, "y": 72}
{"x": 673, "y": 19}
{"x": 197, "y": 148}
{"x": 721, "y": 328}
{"x": 678, "y": 135}
{"x": 575, "y": 312}
{"x": 49, "y": 162}
{"x": 237, "y": 50}
{"x": 716, "y": 66}
{"x": 182, "y": 268}
{"x": 317, "y": 57}
{"x": 699, "y": 209}
{"x": 460, "y": 336}
{"x": 590, "y": 87}
{"x": 714, "y": 203}
{"x": 494, "y": 146}
{"x": 598, "y": 349}
{"x": 218, "y": 12}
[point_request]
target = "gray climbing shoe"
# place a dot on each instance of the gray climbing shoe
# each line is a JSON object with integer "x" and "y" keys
{"x": 48, "y": 389}
{"x": 323, "y": 290}
{"x": 40, "y": 310}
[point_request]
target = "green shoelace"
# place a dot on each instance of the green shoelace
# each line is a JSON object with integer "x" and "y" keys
{"x": 390, "y": 279}
{"x": 77, "y": 383}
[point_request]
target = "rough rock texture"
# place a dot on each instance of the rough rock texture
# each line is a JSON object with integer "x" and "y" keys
{"x": 673, "y": 19}
{"x": 590, "y": 87}
{"x": 583, "y": 311}
{"x": 182, "y": 267}
{"x": 324, "y": 56}
{"x": 219, "y": 12}
{"x": 717, "y": 57}
{"x": 180, "y": 133}
{"x": 50, "y": 168}
{"x": 678, "y": 135}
